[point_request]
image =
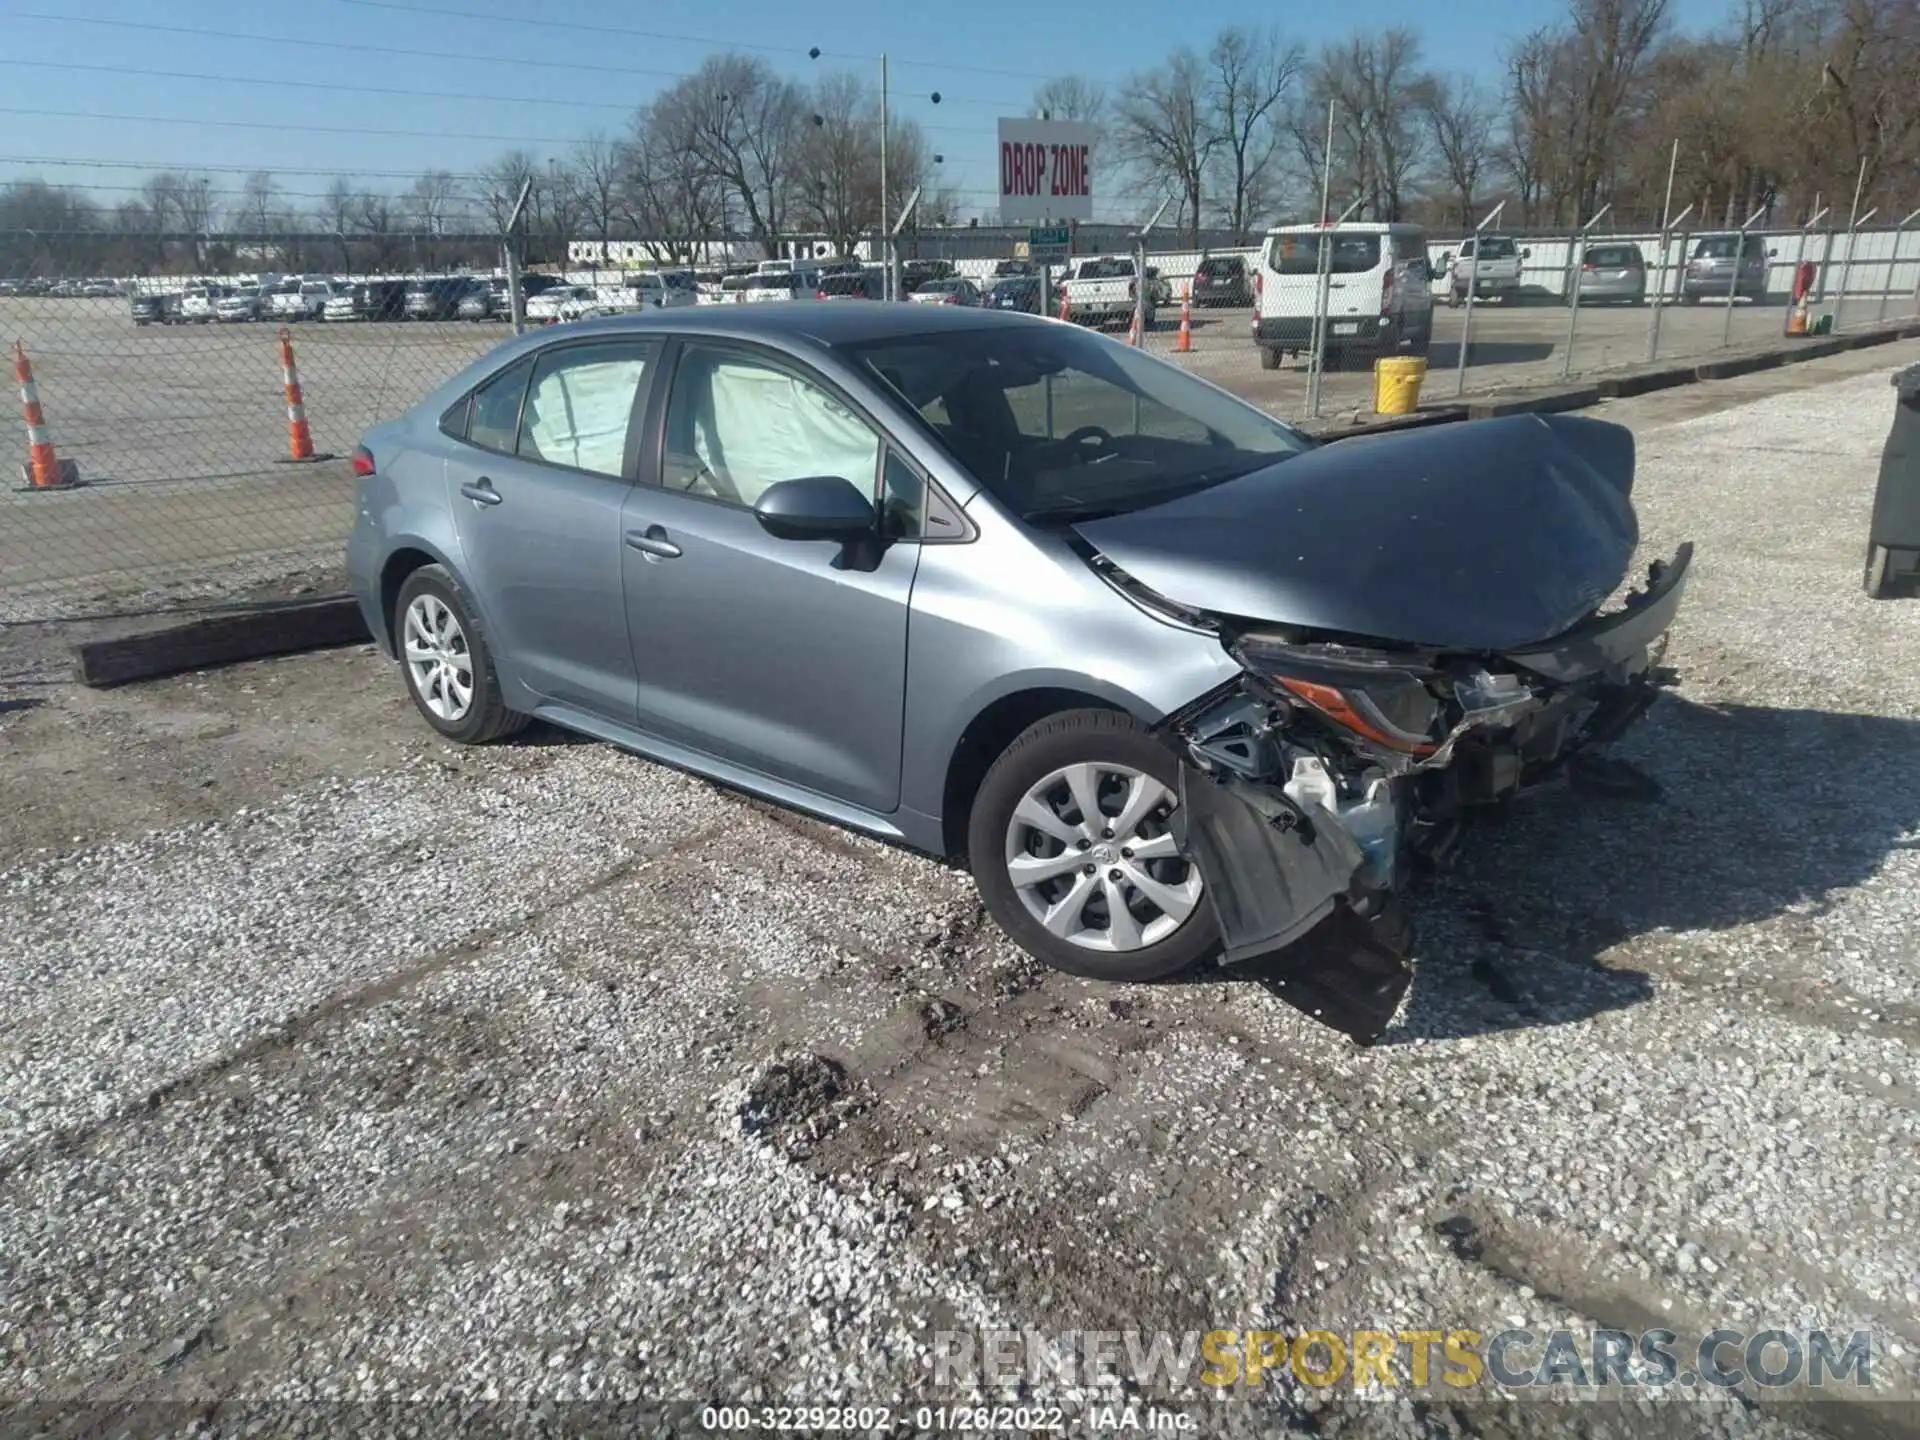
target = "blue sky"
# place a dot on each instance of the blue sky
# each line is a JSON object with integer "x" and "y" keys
{"x": 548, "y": 84}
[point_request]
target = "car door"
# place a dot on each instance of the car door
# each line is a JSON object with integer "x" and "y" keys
{"x": 537, "y": 483}
{"x": 785, "y": 656}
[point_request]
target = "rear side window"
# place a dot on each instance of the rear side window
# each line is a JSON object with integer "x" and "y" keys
{"x": 494, "y": 420}
{"x": 1300, "y": 254}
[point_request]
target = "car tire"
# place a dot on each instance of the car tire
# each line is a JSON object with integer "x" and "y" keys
{"x": 1114, "y": 749}
{"x": 431, "y": 596}
{"x": 1269, "y": 358}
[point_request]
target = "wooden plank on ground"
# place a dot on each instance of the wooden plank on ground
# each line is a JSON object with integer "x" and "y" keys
{"x": 221, "y": 639}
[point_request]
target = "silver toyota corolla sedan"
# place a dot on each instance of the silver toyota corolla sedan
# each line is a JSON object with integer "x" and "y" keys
{"x": 1174, "y": 680}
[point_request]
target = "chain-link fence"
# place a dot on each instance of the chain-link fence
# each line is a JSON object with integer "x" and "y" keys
{"x": 166, "y": 395}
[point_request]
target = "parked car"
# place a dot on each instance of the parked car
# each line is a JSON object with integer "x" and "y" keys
{"x": 366, "y": 300}
{"x": 957, "y": 291}
{"x": 1490, "y": 264}
{"x": 915, "y": 273}
{"x": 155, "y": 307}
{"x": 1121, "y": 661}
{"x": 857, "y": 285}
{"x": 1710, "y": 272}
{"x": 1379, "y": 291}
{"x": 294, "y": 299}
{"x": 197, "y": 303}
{"x": 239, "y": 303}
{"x": 1220, "y": 280}
{"x": 438, "y": 298}
{"x": 1100, "y": 290}
{"x": 547, "y": 305}
{"x": 1020, "y": 292}
{"x": 1612, "y": 273}
{"x": 480, "y": 302}
{"x": 779, "y": 285}
{"x": 650, "y": 289}
{"x": 99, "y": 290}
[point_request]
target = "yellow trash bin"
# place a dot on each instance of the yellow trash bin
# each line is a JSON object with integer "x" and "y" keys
{"x": 1396, "y": 384}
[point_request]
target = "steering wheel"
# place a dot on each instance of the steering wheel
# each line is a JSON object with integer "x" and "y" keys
{"x": 1085, "y": 433}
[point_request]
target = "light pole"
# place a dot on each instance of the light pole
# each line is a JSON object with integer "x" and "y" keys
{"x": 891, "y": 287}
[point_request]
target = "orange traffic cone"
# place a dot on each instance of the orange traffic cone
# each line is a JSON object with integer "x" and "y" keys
{"x": 43, "y": 470}
{"x": 1065, "y": 314}
{"x": 1133, "y": 330}
{"x": 1184, "y": 344}
{"x": 1797, "y": 317}
{"x": 299, "y": 437}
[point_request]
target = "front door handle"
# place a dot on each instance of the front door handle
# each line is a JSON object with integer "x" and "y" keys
{"x": 481, "y": 492}
{"x": 653, "y": 543}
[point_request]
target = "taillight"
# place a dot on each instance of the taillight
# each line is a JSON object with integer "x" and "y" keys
{"x": 819, "y": 294}
{"x": 362, "y": 461}
{"x": 1259, "y": 285}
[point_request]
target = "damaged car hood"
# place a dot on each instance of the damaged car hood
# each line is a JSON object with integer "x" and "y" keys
{"x": 1487, "y": 535}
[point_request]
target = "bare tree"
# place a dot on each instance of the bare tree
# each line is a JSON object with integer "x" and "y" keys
{"x": 837, "y": 166}
{"x": 1461, "y": 120}
{"x": 1376, "y": 89}
{"x": 596, "y": 169}
{"x": 497, "y": 187}
{"x": 1070, "y": 97}
{"x": 744, "y": 124}
{"x": 1250, "y": 73}
{"x": 430, "y": 201}
{"x": 256, "y": 210}
{"x": 670, "y": 198}
{"x": 1162, "y": 131}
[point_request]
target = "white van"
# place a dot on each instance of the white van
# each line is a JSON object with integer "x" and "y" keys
{"x": 1379, "y": 291}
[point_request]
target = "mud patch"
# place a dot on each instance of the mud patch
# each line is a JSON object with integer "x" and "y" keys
{"x": 795, "y": 1102}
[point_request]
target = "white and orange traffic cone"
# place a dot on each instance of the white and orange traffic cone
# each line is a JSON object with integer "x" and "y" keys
{"x": 1065, "y": 314}
{"x": 1184, "y": 345}
{"x": 299, "y": 436}
{"x": 1133, "y": 330}
{"x": 43, "y": 470}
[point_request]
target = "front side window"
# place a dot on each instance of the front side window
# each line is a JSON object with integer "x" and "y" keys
{"x": 1068, "y": 423}
{"x": 737, "y": 425}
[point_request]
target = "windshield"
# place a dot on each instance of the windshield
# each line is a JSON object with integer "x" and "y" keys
{"x": 1300, "y": 254}
{"x": 1069, "y": 424}
{"x": 1216, "y": 268}
{"x": 1105, "y": 270}
{"x": 773, "y": 282}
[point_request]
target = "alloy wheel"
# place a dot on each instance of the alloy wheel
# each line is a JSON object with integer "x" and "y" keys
{"x": 439, "y": 664}
{"x": 1092, "y": 856}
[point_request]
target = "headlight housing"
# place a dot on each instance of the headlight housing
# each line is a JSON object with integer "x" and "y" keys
{"x": 1383, "y": 698}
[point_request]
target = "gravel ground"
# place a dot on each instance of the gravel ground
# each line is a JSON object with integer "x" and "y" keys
{"x": 337, "y": 1065}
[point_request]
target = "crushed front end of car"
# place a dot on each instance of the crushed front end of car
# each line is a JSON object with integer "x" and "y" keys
{"x": 1317, "y": 783}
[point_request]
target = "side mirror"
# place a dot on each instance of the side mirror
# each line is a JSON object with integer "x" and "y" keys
{"x": 819, "y": 507}
{"x": 1526, "y": 254}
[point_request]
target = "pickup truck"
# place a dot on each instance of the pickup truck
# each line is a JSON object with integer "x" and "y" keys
{"x": 1490, "y": 264}
{"x": 1100, "y": 291}
{"x": 298, "y": 300}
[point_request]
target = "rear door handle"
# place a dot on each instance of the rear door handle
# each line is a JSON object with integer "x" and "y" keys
{"x": 481, "y": 492}
{"x": 653, "y": 543}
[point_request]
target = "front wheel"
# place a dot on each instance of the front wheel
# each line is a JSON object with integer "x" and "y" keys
{"x": 1071, "y": 845}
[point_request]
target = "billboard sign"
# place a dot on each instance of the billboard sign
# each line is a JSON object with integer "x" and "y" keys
{"x": 1046, "y": 170}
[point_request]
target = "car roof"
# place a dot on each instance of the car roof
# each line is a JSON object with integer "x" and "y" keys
{"x": 832, "y": 325}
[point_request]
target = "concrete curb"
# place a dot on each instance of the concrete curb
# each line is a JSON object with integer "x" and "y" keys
{"x": 221, "y": 639}
{"x": 1552, "y": 399}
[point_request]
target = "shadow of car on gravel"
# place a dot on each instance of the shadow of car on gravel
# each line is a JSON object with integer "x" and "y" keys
{"x": 1766, "y": 813}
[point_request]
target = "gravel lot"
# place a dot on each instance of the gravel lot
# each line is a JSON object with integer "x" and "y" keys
{"x": 337, "y": 1064}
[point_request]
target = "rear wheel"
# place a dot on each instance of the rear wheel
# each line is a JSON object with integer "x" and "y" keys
{"x": 1269, "y": 358}
{"x": 444, "y": 656}
{"x": 1071, "y": 845}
